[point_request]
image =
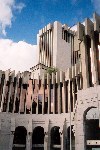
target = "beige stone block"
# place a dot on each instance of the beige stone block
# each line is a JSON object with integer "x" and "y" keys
{"x": 96, "y": 19}
{"x": 80, "y": 31}
{"x": 89, "y": 27}
{"x": 49, "y": 26}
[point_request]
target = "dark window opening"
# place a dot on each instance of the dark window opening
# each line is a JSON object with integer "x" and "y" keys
{"x": 55, "y": 136}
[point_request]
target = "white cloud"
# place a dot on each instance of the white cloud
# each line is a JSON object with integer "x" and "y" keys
{"x": 19, "y": 56}
{"x": 96, "y": 4}
{"x": 6, "y": 13}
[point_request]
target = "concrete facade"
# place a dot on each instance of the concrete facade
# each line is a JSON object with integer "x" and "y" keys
{"x": 58, "y": 111}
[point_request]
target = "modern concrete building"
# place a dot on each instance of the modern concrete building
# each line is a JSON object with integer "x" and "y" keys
{"x": 58, "y": 111}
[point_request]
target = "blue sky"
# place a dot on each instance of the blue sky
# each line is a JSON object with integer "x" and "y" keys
{"x": 37, "y": 13}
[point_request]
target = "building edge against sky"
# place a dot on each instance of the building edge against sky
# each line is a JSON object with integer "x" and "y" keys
{"x": 39, "y": 111}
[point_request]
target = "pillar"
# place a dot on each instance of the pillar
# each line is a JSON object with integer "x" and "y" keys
{"x": 53, "y": 90}
{"x": 79, "y": 132}
{"x": 29, "y": 141}
{"x": 62, "y": 140}
{"x": 37, "y": 107}
{"x": 73, "y": 92}
{"x": 94, "y": 61}
{"x": 59, "y": 98}
{"x": 43, "y": 98}
{"x": 11, "y": 140}
{"x": 49, "y": 99}
{"x": 49, "y": 47}
{"x": 29, "y": 135}
{"x": 54, "y": 98}
{"x": 9, "y": 98}
{"x": 84, "y": 58}
{"x": 49, "y": 93}
{"x": 64, "y": 96}
{"x": 3, "y": 95}
{"x": 49, "y": 136}
{"x": 85, "y": 73}
{"x": 46, "y": 141}
{"x": 69, "y": 97}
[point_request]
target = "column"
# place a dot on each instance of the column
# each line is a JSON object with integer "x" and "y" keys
{"x": 43, "y": 49}
{"x": 84, "y": 57}
{"x": 37, "y": 107}
{"x": 62, "y": 141}
{"x": 43, "y": 98}
{"x": 49, "y": 136}
{"x": 11, "y": 140}
{"x": 15, "y": 97}
{"x": 49, "y": 99}
{"x": 3, "y": 95}
{"x": 20, "y": 99}
{"x": 49, "y": 92}
{"x": 64, "y": 97}
{"x": 49, "y": 47}
{"x": 9, "y": 98}
{"x": 79, "y": 133}
{"x": 94, "y": 61}
{"x": 59, "y": 98}
{"x": 29, "y": 141}
{"x": 40, "y": 49}
{"x": 45, "y": 46}
{"x": 69, "y": 97}
{"x": 46, "y": 141}
{"x": 73, "y": 92}
{"x": 54, "y": 98}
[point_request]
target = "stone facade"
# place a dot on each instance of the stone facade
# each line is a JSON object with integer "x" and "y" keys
{"x": 58, "y": 111}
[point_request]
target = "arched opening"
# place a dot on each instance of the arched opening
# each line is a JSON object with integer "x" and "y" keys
{"x": 38, "y": 138}
{"x": 34, "y": 104}
{"x": 55, "y": 138}
{"x": 70, "y": 138}
{"x": 19, "y": 142}
{"x": 91, "y": 128}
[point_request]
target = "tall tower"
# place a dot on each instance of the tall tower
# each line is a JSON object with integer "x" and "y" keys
{"x": 55, "y": 46}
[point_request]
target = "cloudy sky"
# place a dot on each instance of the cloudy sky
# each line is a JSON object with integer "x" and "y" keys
{"x": 20, "y": 21}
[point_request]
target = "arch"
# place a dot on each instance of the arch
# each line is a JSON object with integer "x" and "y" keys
{"x": 19, "y": 142}
{"x": 38, "y": 138}
{"x": 38, "y": 135}
{"x": 87, "y": 110}
{"x": 91, "y": 130}
{"x": 55, "y": 138}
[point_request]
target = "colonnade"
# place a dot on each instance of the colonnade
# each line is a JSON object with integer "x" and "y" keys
{"x": 53, "y": 94}
{"x": 55, "y": 139}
